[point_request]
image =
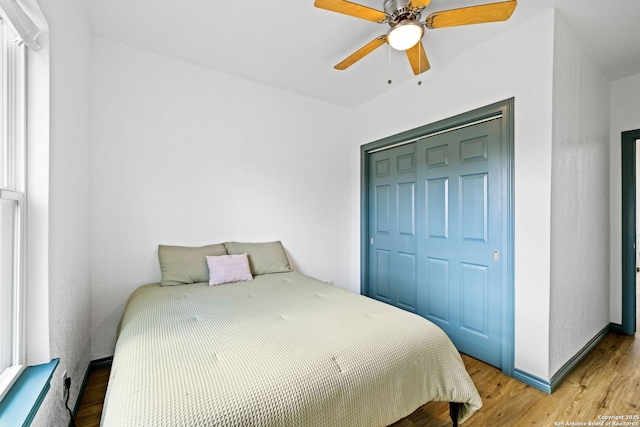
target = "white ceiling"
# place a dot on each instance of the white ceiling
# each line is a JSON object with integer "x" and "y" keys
{"x": 293, "y": 46}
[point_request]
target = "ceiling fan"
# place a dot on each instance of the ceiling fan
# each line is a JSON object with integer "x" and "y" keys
{"x": 403, "y": 16}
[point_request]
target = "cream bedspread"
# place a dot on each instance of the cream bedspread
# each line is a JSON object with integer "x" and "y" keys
{"x": 281, "y": 350}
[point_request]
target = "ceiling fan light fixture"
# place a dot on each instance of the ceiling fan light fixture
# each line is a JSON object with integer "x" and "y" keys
{"x": 405, "y": 35}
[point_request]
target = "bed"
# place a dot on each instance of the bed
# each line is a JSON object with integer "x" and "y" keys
{"x": 282, "y": 349}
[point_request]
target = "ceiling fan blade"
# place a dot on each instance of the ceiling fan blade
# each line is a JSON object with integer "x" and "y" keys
{"x": 492, "y": 12}
{"x": 418, "y": 59}
{"x": 418, "y": 4}
{"x": 362, "y": 52}
{"x": 352, "y": 9}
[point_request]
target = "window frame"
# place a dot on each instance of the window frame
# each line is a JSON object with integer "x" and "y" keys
{"x": 13, "y": 185}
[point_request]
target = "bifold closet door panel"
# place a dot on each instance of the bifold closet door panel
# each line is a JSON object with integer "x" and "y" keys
{"x": 392, "y": 226}
{"x": 459, "y": 230}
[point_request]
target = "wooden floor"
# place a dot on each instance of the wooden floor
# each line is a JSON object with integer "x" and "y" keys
{"x": 91, "y": 404}
{"x": 605, "y": 383}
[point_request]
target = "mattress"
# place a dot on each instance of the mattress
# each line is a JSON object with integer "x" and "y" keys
{"x": 281, "y": 350}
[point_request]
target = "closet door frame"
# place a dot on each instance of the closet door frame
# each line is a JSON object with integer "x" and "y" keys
{"x": 506, "y": 110}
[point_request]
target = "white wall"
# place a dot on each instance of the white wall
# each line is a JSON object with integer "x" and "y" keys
{"x": 515, "y": 64}
{"x": 579, "y": 200}
{"x": 625, "y": 116}
{"x": 182, "y": 155}
{"x": 68, "y": 204}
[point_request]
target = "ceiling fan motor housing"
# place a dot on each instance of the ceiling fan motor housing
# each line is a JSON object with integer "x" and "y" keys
{"x": 399, "y": 10}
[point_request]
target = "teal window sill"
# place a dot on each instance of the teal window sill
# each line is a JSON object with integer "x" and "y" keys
{"x": 20, "y": 405}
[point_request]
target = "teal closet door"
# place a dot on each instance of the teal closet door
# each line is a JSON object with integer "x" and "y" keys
{"x": 392, "y": 226}
{"x": 460, "y": 235}
{"x": 436, "y": 234}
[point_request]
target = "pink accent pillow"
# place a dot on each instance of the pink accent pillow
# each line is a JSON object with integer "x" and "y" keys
{"x": 228, "y": 269}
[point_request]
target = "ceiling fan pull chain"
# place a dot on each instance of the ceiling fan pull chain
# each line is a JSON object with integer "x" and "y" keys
{"x": 420, "y": 68}
{"x": 389, "y": 65}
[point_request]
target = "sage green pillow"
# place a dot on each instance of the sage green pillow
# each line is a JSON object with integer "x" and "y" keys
{"x": 264, "y": 258}
{"x": 181, "y": 265}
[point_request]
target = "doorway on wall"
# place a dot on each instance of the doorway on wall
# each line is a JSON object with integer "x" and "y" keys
{"x": 630, "y": 261}
{"x": 634, "y": 288}
{"x": 408, "y": 219}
